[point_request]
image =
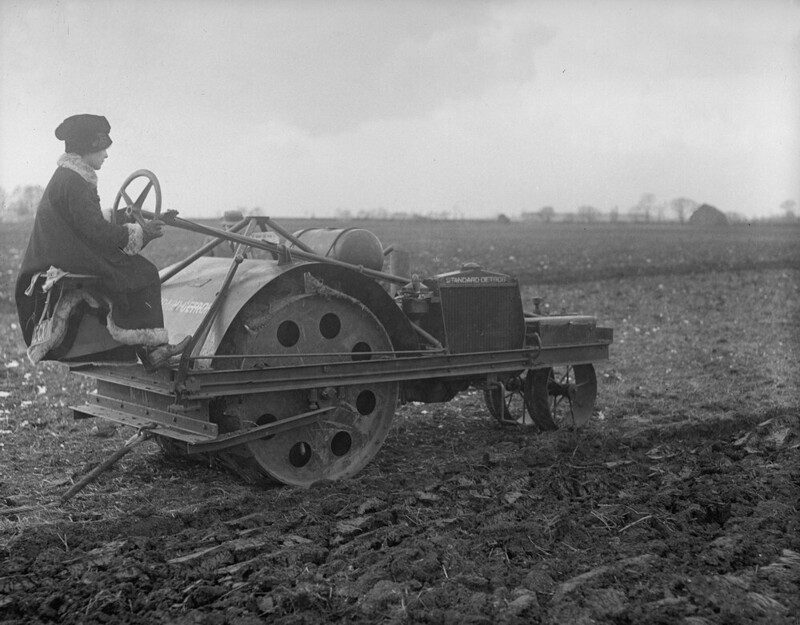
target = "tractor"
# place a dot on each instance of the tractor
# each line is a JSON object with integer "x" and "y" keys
{"x": 302, "y": 347}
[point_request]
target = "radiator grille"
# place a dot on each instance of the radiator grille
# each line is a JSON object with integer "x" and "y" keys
{"x": 481, "y": 319}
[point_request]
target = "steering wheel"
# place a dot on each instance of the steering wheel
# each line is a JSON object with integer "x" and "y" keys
{"x": 134, "y": 209}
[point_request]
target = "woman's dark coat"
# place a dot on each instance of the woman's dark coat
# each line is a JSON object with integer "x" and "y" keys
{"x": 71, "y": 234}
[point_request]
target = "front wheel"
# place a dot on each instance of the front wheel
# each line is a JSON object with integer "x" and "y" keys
{"x": 550, "y": 398}
{"x": 506, "y": 401}
{"x": 562, "y": 396}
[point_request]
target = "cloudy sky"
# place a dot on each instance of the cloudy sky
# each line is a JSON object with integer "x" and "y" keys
{"x": 474, "y": 107}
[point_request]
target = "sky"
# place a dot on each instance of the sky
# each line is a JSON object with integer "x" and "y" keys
{"x": 474, "y": 108}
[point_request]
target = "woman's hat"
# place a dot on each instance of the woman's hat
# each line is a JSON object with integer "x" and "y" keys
{"x": 84, "y": 133}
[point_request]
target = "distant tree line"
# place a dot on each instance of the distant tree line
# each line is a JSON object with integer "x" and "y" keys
{"x": 647, "y": 210}
{"x": 380, "y": 213}
{"x": 22, "y": 203}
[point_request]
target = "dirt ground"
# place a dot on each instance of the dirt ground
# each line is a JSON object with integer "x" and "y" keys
{"x": 678, "y": 503}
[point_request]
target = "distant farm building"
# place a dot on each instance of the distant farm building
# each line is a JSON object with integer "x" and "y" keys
{"x": 707, "y": 215}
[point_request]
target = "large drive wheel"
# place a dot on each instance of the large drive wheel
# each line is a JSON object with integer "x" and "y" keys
{"x": 562, "y": 396}
{"x": 311, "y": 329}
{"x": 134, "y": 208}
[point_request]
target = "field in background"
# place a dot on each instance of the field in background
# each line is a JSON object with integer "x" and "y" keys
{"x": 534, "y": 253}
{"x": 676, "y": 504}
{"x": 552, "y": 253}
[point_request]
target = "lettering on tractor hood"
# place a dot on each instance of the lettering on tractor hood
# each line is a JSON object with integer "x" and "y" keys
{"x": 185, "y": 306}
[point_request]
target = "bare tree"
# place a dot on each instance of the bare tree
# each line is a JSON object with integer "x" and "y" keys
{"x": 25, "y": 200}
{"x": 546, "y": 213}
{"x": 588, "y": 214}
{"x": 682, "y": 206}
{"x": 646, "y": 205}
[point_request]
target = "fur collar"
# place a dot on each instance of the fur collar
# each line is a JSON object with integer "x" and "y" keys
{"x": 76, "y": 164}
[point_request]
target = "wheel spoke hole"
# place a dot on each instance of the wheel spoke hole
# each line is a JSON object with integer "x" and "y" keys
{"x": 366, "y": 402}
{"x": 330, "y": 325}
{"x": 263, "y": 420}
{"x": 300, "y": 454}
{"x": 266, "y": 418}
{"x": 288, "y": 333}
{"x": 361, "y": 351}
{"x": 341, "y": 443}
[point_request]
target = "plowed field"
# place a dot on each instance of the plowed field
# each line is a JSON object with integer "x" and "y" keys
{"x": 677, "y": 503}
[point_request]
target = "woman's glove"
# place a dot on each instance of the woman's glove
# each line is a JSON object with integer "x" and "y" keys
{"x": 151, "y": 230}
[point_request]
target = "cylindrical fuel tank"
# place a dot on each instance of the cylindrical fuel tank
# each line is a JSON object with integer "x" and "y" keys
{"x": 349, "y": 245}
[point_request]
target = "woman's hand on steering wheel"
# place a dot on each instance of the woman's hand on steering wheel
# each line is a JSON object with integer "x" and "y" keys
{"x": 151, "y": 230}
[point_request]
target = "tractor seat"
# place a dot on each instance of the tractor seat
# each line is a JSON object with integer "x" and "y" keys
{"x": 62, "y": 330}
{"x": 54, "y": 276}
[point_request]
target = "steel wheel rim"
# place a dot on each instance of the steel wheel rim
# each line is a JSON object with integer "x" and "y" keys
{"x": 575, "y": 408}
